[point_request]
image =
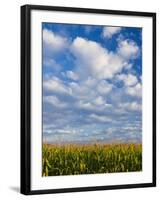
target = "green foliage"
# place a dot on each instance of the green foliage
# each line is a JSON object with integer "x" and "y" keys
{"x": 91, "y": 159}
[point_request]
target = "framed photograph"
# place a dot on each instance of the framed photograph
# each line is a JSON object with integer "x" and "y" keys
{"x": 88, "y": 99}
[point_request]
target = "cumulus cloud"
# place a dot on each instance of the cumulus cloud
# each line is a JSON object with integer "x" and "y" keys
{"x": 109, "y": 31}
{"x": 100, "y": 118}
{"x": 135, "y": 90}
{"x": 128, "y": 79}
{"x": 55, "y": 101}
{"x": 97, "y": 105}
{"x": 52, "y": 64}
{"x": 54, "y": 84}
{"x": 86, "y": 105}
{"x": 94, "y": 60}
{"x": 53, "y": 43}
{"x": 103, "y": 87}
{"x": 90, "y": 92}
{"x": 99, "y": 101}
{"x": 128, "y": 49}
{"x": 81, "y": 91}
{"x": 72, "y": 75}
{"x": 131, "y": 106}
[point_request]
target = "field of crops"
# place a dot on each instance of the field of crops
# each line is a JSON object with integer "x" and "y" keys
{"x": 91, "y": 159}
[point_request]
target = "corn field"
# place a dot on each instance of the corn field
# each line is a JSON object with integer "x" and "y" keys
{"x": 73, "y": 159}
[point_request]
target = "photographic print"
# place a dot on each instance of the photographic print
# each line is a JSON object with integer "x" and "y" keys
{"x": 92, "y": 99}
{"x": 88, "y": 99}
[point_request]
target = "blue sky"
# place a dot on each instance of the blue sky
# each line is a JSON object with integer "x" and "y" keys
{"x": 92, "y": 83}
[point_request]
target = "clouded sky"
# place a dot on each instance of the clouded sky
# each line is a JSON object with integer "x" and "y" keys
{"x": 92, "y": 83}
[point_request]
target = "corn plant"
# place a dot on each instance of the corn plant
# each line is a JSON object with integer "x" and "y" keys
{"x": 73, "y": 159}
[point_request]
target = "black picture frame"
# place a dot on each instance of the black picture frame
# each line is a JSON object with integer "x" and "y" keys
{"x": 26, "y": 98}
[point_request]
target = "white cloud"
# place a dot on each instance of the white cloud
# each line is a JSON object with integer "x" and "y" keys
{"x": 85, "y": 105}
{"x": 127, "y": 49}
{"x": 128, "y": 79}
{"x": 72, "y": 75}
{"x": 52, "y": 42}
{"x": 52, "y": 64}
{"x": 135, "y": 90}
{"x": 97, "y": 105}
{"x": 65, "y": 131}
{"x": 91, "y": 90}
{"x": 55, "y": 101}
{"x": 54, "y": 84}
{"x": 81, "y": 91}
{"x": 94, "y": 60}
{"x": 100, "y": 118}
{"x": 109, "y": 31}
{"x": 131, "y": 106}
{"x": 103, "y": 87}
{"x": 90, "y": 82}
{"x": 99, "y": 101}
